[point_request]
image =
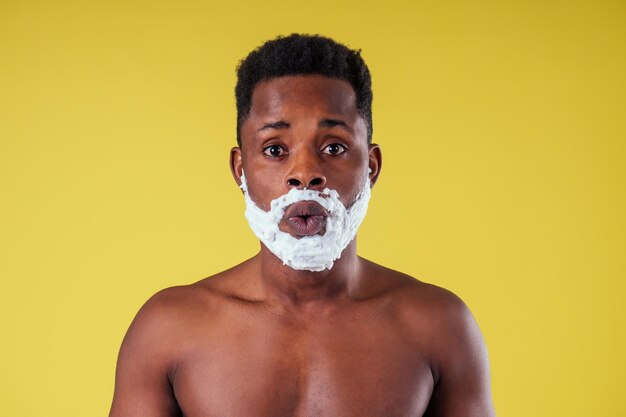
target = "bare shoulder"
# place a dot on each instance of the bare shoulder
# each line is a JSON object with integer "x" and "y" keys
{"x": 174, "y": 309}
{"x": 163, "y": 320}
{"x": 436, "y": 319}
{"x": 172, "y": 315}
{"x": 150, "y": 350}
{"x": 444, "y": 320}
{"x": 434, "y": 307}
{"x": 165, "y": 327}
{"x": 417, "y": 298}
{"x": 444, "y": 332}
{"x": 170, "y": 306}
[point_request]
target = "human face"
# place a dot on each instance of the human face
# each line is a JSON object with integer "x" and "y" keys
{"x": 304, "y": 131}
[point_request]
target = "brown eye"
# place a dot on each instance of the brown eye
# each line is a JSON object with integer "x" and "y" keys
{"x": 334, "y": 149}
{"x": 273, "y": 151}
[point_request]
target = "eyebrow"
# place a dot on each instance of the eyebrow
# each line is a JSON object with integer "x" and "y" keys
{"x": 281, "y": 124}
{"x": 335, "y": 122}
{"x": 324, "y": 123}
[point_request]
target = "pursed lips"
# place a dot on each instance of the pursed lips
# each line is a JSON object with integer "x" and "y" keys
{"x": 306, "y": 218}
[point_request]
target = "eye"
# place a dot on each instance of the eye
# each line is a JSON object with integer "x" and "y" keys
{"x": 274, "y": 151}
{"x": 334, "y": 149}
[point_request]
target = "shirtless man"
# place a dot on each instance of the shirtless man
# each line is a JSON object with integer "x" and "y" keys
{"x": 313, "y": 330}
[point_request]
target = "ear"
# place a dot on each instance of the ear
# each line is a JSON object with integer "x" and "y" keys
{"x": 375, "y": 161}
{"x": 236, "y": 164}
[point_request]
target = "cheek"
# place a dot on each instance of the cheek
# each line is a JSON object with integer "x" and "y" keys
{"x": 263, "y": 186}
{"x": 260, "y": 195}
{"x": 349, "y": 178}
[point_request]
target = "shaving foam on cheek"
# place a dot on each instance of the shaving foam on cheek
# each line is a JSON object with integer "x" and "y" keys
{"x": 311, "y": 253}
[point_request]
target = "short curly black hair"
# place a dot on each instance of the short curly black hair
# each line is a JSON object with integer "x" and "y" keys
{"x": 299, "y": 54}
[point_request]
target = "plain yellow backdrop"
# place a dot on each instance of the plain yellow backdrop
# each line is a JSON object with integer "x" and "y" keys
{"x": 503, "y": 132}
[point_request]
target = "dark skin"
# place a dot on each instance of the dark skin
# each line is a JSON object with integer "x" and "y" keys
{"x": 264, "y": 340}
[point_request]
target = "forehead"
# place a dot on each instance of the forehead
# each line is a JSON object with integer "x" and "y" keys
{"x": 318, "y": 93}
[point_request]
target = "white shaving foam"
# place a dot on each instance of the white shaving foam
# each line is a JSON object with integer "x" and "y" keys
{"x": 311, "y": 253}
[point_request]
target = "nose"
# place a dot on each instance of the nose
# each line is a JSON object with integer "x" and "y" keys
{"x": 316, "y": 181}
{"x": 305, "y": 172}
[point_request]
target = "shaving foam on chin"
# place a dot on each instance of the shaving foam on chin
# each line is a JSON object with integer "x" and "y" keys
{"x": 311, "y": 253}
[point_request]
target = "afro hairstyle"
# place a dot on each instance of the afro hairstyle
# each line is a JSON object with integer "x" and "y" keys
{"x": 302, "y": 54}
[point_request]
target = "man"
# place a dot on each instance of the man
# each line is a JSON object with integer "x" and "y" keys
{"x": 305, "y": 327}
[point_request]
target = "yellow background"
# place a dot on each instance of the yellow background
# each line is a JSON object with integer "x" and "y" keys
{"x": 503, "y": 132}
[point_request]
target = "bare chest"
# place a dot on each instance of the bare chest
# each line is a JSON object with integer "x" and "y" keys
{"x": 332, "y": 369}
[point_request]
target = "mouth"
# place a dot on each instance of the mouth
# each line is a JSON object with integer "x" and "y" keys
{"x": 306, "y": 218}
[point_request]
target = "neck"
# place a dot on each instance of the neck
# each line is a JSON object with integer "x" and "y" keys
{"x": 296, "y": 288}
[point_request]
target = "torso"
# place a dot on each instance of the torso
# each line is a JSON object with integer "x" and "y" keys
{"x": 244, "y": 358}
